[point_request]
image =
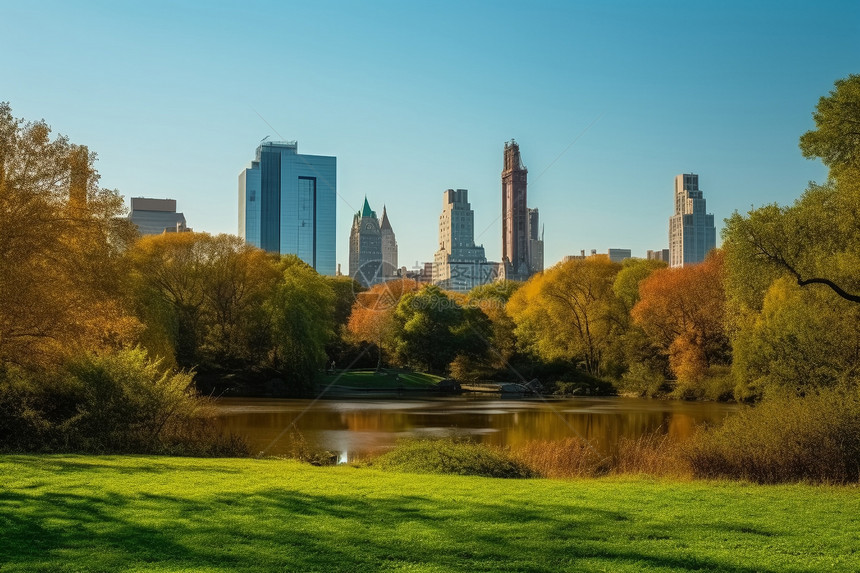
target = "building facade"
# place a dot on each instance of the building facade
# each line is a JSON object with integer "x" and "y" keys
{"x": 692, "y": 234}
{"x": 659, "y": 255}
{"x": 287, "y": 204}
{"x": 389, "y": 246}
{"x": 618, "y": 255}
{"x": 459, "y": 264}
{"x": 372, "y": 247}
{"x": 156, "y": 216}
{"x": 522, "y": 238}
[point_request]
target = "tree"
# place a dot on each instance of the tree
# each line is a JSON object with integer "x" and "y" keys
{"x": 201, "y": 298}
{"x": 836, "y": 139}
{"x": 59, "y": 244}
{"x": 372, "y": 317}
{"x": 302, "y": 311}
{"x": 569, "y": 312}
{"x": 816, "y": 240}
{"x": 431, "y": 329}
{"x": 682, "y": 310}
{"x": 802, "y": 340}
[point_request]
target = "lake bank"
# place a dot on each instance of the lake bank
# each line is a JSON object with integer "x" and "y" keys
{"x": 151, "y": 513}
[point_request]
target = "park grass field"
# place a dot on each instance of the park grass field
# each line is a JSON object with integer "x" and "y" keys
{"x": 126, "y": 513}
{"x": 387, "y": 379}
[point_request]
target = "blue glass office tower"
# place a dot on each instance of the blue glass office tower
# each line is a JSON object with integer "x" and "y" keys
{"x": 287, "y": 204}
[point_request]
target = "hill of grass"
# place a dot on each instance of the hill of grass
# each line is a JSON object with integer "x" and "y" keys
{"x": 78, "y": 513}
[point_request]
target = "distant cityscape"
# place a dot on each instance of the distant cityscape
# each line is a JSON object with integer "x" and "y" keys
{"x": 287, "y": 206}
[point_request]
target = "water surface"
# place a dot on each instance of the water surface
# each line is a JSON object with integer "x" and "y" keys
{"x": 356, "y": 427}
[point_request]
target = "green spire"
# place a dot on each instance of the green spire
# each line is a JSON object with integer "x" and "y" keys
{"x": 366, "y": 211}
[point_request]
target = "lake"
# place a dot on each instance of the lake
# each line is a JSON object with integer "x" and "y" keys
{"x": 357, "y": 427}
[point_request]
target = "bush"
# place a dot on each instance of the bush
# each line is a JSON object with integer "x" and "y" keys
{"x": 451, "y": 456}
{"x": 641, "y": 381}
{"x": 813, "y": 438}
{"x": 119, "y": 403}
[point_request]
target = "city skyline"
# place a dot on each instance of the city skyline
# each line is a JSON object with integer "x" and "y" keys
{"x": 611, "y": 101}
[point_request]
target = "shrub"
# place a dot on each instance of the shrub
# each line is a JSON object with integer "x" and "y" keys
{"x": 785, "y": 439}
{"x": 451, "y": 456}
{"x": 641, "y": 381}
{"x": 122, "y": 402}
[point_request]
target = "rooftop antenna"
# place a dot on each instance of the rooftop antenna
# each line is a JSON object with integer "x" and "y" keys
{"x": 265, "y": 138}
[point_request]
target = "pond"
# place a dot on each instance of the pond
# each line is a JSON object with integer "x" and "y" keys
{"x": 357, "y": 427}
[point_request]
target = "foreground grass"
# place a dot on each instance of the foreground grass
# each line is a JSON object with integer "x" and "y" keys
{"x": 386, "y": 379}
{"x": 78, "y": 513}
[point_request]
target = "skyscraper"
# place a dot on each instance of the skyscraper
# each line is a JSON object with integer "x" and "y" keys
{"x": 692, "y": 234}
{"x": 459, "y": 264}
{"x": 287, "y": 204}
{"x": 369, "y": 263}
{"x": 522, "y": 242}
{"x": 389, "y": 246}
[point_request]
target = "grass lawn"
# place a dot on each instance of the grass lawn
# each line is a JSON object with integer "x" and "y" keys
{"x": 78, "y": 513}
{"x": 387, "y": 379}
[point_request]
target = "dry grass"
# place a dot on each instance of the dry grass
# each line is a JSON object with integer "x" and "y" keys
{"x": 650, "y": 454}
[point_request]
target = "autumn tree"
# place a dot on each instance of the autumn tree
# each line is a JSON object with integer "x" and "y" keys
{"x": 682, "y": 311}
{"x": 201, "y": 297}
{"x": 637, "y": 357}
{"x": 570, "y": 312}
{"x": 372, "y": 316}
{"x": 59, "y": 244}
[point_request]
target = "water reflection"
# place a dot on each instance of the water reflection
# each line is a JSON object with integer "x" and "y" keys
{"x": 357, "y": 427}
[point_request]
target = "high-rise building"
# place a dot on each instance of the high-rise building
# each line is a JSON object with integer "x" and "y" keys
{"x": 156, "y": 216}
{"x": 287, "y": 204}
{"x": 459, "y": 264}
{"x": 618, "y": 255}
{"x": 372, "y": 247}
{"x": 692, "y": 234}
{"x": 389, "y": 246}
{"x": 522, "y": 238}
{"x": 661, "y": 255}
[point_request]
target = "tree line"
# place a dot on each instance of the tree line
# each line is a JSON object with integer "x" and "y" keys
{"x": 774, "y": 310}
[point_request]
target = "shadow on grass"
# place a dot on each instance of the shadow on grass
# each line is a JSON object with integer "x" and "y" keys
{"x": 280, "y": 529}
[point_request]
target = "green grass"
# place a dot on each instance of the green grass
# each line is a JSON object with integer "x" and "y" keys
{"x": 77, "y": 513}
{"x": 386, "y": 379}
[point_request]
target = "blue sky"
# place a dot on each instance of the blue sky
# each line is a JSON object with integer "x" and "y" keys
{"x": 608, "y": 101}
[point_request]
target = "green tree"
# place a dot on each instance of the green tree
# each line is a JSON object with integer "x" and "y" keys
{"x": 836, "y": 137}
{"x": 302, "y": 311}
{"x": 816, "y": 240}
{"x": 431, "y": 329}
{"x": 802, "y": 339}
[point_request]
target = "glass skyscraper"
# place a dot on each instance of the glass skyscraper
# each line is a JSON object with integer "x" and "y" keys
{"x": 287, "y": 204}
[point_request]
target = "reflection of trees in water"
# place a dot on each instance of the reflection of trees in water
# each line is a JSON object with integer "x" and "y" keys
{"x": 330, "y": 426}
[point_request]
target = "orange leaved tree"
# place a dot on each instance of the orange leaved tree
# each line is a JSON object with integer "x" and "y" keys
{"x": 682, "y": 310}
{"x": 372, "y": 317}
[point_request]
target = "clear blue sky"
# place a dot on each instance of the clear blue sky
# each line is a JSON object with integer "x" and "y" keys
{"x": 608, "y": 101}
